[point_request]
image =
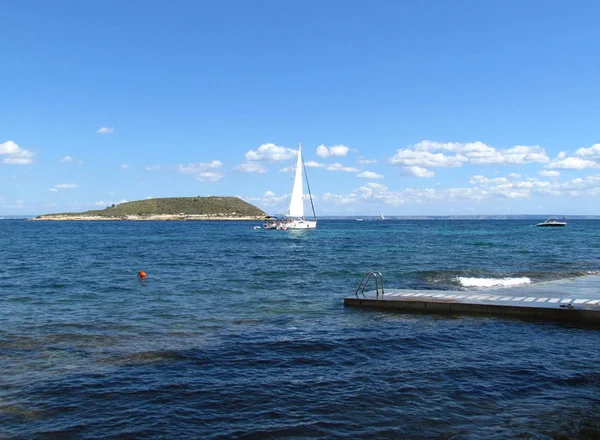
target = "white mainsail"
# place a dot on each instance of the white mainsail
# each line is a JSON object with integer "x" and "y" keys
{"x": 297, "y": 200}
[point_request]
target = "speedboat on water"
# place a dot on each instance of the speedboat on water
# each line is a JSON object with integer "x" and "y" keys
{"x": 270, "y": 223}
{"x": 553, "y": 222}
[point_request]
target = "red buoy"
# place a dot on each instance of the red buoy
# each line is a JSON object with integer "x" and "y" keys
{"x": 141, "y": 274}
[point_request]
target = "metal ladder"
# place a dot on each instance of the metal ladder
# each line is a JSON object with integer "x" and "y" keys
{"x": 365, "y": 280}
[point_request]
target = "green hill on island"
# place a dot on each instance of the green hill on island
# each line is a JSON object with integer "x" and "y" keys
{"x": 175, "y": 207}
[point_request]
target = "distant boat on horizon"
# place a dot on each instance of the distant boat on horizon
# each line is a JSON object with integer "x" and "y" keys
{"x": 553, "y": 222}
{"x": 382, "y": 217}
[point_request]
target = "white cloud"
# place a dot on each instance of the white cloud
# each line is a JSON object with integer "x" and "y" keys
{"x": 270, "y": 153}
{"x": 60, "y": 186}
{"x": 204, "y": 171}
{"x": 16, "y": 160}
{"x": 482, "y": 188}
{"x": 209, "y": 176}
{"x": 152, "y": 168}
{"x": 482, "y": 180}
{"x": 455, "y": 147}
{"x": 503, "y": 187}
{"x": 419, "y": 172}
{"x": 378, "y": 193}
{"x": 584, "y": 158}
{"x": 575, "y": 163}
{"x": 251, "y": 167}
{"x": 309, "y": 164}
{"x": 271, "y": 197}
{"x": 408, "y": 157}
{"x": 9, "y": 147}
{"x": 15, "y": 155}
{"x": 549, "y": 173}
{"x": 424, "y": 154}
{"x": 592, "y": 152}
{"x": 269, "y": 200}
{"x": 339, "y": 167}
{"x": 516, "y": 155}
{"x": 124, "y": 166}
{"x": 343, "y": 199}
{"x": 370, "y": 175}
{"x": 196, "y": 168}
{"x": 66, "y": 159}
{"x": 373, "y": 192}
{"x": 336, "y": 150}
{"x": 105, "y": 130}
{"x": 364, "y": 161}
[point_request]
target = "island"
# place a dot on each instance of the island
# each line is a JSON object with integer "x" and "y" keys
{"x": 171, "y": 208}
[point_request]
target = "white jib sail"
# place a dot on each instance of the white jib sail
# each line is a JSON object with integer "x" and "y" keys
{"x": 297, "y": 201}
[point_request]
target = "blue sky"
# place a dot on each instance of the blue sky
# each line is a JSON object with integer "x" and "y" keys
{"x": 402, "y": 108}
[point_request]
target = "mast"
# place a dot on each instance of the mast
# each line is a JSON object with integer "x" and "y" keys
{"x": 309, "y": 194}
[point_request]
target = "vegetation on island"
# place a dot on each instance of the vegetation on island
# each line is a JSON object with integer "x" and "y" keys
{"x": 213, "y": 207}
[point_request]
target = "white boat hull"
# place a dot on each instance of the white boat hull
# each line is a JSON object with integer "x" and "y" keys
{"x": 552, "y": 222}
{"x": 299, "y": 224}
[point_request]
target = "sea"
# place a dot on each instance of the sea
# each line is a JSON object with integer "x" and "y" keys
{"x": 239, "y": 332}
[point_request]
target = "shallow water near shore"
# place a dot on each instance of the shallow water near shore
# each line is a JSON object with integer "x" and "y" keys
{"x": 242, "y": 333}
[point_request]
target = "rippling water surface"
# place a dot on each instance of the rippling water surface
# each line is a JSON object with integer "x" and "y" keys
{"x": 242, "y": 333}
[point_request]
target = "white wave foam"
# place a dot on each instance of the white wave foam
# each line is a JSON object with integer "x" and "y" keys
{"x": 492, "y": 282}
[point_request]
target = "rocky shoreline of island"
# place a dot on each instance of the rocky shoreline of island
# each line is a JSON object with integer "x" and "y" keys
{"x": 155, "y": 217}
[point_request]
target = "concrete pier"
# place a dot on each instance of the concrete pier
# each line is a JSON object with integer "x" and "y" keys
{"x": 572, "y": 299}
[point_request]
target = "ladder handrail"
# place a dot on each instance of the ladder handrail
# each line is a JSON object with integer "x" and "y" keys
{"x": 365, "y": 280}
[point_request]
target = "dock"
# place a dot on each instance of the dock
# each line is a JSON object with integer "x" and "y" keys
{"x": 572, "y": 299}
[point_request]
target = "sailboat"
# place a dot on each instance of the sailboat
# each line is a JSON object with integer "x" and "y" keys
{"x": 294, "y": 219}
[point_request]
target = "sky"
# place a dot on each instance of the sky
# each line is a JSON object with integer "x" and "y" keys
{"x": 402, "y": 108}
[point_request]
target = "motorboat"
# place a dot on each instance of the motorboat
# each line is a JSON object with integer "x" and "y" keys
{"x": 270, "y": 223}
{"x": 553, "y": 222}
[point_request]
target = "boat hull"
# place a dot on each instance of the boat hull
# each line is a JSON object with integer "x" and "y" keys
{"x": 551, "y": 225}
{"x": 299, "y": 224}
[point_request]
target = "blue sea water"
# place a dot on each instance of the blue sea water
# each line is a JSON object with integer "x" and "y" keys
{"x": 242, "y": 333}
